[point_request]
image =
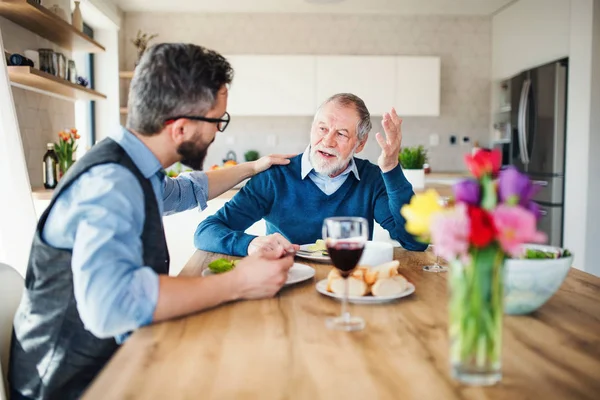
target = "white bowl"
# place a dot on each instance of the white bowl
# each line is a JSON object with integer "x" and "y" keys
{"x": 528, "y": 284}
{"x": 376, "y": 253}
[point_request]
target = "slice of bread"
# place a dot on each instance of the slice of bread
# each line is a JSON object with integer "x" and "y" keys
{"x": 389, "y": 286}
{"x": 356, "y": 287}
{"x": 382, "y": 271}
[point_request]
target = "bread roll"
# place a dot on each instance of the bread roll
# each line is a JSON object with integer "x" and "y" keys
{"x": 356, "y": 287}
{"x": 389, "y": 286}
{"x": 382, "y": 271}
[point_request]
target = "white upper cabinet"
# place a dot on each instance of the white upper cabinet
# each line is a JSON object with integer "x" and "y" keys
{"x": 295, "y": 85}
{"x": 371, "y": 78}
{"x": 281, "y": 85}
{"x": 417, "y": 88}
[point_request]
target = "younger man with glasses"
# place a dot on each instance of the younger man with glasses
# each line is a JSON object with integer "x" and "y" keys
{"x": 327, "y": 180}
{"x": 99, "y": 262}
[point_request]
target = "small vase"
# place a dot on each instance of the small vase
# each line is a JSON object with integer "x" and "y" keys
{"x": 475, "y": 327}
{"x": 77, "y": 19}
{"x": 416, "y": 177}
{"x": 63, "y": 166}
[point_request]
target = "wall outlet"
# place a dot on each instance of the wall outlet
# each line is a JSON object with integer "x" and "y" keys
{"x": 452, "y": 140}
{"x": 465, "y": 140}
{"x": 434, "y": 139}
{"x": 272, "y": 140}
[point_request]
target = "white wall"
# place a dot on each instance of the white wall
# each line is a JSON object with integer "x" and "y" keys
{"x": 107, "y": 82}
{"x": 582, "y": 187}
{"x": 592, "y": 256}
{"x": 527, "y": 34}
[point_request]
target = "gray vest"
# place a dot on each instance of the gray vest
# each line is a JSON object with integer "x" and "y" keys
{"x": 52, "y": 355}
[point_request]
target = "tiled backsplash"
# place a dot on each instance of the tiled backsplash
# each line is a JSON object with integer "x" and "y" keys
{"x": 463, "y": 43}
{"x": 40, "y": 116}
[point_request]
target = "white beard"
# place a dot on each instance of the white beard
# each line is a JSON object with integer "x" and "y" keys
{"x": 329, "y": 167}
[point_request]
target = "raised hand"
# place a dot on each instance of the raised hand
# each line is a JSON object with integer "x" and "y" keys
{"x": 390, "y": 144}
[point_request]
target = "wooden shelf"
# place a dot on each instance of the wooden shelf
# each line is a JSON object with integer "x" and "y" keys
{"x": 34, "y": 79}
{"x": 123, "y": 110}
{"x": 46, "y": 24}
{"x": 126, "y": 74}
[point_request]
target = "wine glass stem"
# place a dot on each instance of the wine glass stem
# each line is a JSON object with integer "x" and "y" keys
{"x": 345, "y": 313}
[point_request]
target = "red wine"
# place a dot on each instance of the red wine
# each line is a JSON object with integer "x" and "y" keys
{"x": 345, "y": 256}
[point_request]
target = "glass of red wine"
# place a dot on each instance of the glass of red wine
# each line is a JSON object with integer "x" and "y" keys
{"x": 345, "y": 238}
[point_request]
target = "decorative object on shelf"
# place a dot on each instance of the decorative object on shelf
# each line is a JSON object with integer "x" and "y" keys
{"x": 412, "y": 160}
{"x": 19, "y": 60}
{"x": 65, "y": 149}
{"x": 141, "y": 43}
{"x": 34, "y": 56}
{"x": 51, "y": 172}
{"x": 71, "y": 72}
{"x": 56, "y": 9}
{"x": 251, "y": 155}
{"x": 46, "y": 60}
{"x": 82, "y": 81}
{"x": 76, "y": 18}
{"x": 62, "y": 66}
{"x": 490, "y": 219}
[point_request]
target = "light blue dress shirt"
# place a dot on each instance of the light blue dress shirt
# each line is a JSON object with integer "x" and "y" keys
{"x": 101, "y": 218}
{"x": 327, "y": 184}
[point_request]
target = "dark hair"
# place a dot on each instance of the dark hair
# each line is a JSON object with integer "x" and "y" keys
{"x": 174, "y": 79}
{"x": 351, "y": 100}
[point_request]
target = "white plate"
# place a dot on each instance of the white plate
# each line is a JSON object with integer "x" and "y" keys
{"x": 298, "y": 273}
{"x": 315, "y": 256}
{"x": 322, "y": 288}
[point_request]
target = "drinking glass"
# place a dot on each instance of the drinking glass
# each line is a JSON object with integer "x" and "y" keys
{"x": 436, "y": 267}
{"x": 345, "y": 238}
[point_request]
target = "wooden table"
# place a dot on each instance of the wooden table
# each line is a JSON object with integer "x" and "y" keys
{"x": 280, "y": 349}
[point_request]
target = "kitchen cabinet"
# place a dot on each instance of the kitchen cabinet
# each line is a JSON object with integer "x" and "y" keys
{"x": 417, "y": 86}
{"x": 372, "y": 78}
{"x": 272, "y": 85}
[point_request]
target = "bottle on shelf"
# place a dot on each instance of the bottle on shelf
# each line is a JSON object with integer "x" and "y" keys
{"x": 50, "y": 167}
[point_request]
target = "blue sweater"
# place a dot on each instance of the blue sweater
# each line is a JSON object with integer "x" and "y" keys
{"x": 296, "y": 208}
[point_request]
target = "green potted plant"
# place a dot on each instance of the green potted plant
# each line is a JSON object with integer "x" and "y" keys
{"x": 412, "y": 160}
{"x": 251, "y": 155}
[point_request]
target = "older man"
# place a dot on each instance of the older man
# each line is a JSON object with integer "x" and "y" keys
{"x": 99, "y": 263}
{"x": 326, "y": 180}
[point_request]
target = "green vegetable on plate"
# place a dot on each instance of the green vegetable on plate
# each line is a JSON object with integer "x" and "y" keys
{"x": 222, "y": 265}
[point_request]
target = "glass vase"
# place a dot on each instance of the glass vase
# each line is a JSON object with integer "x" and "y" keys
{"x": 475, "y": 326}
{"x": 63, "y": 165}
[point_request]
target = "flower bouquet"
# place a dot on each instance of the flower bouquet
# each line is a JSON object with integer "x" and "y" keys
{"x": 65, "y": 149}
{"x": 489, "y": 218}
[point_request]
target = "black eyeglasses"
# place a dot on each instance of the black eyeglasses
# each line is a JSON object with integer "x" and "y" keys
{"x": 221, "y": 122}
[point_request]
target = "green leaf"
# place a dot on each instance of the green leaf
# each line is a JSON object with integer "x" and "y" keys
{"x": 413, "y": 157}
{"x": 221, "y": 265}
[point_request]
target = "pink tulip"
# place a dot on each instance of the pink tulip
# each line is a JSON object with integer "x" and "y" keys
{"x": 450, "y": 233}
{"x": 516, "y": 226}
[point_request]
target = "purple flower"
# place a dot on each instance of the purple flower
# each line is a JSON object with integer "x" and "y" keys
{"x": 515, "y": 188}
{"x": 468, "y": 191}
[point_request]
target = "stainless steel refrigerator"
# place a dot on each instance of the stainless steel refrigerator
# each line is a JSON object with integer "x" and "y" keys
{"x": 538, "y": 109}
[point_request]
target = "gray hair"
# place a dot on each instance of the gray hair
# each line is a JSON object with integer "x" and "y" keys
{"x": 174, "y": 79}
{"x": 346, "y": 100}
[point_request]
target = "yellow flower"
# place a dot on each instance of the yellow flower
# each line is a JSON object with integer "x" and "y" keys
{"x": 419, "y": 211}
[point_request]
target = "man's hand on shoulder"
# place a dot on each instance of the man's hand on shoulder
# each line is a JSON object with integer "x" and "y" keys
{"x": 274, "y": 242}
{"x": 266, "y": 162}
{"x": 390, "y": 144}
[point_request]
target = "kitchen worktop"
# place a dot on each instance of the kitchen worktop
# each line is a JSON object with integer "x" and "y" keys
{"x": 440, "y": 181}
